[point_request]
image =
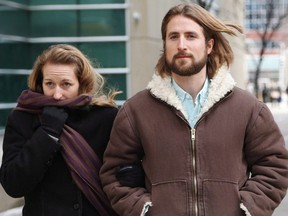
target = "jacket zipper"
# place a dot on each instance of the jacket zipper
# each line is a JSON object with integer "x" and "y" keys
{"x": 194, "y": 173}
{"x": 193, "y": 147}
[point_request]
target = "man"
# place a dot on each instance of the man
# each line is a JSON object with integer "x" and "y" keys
{"x": 206, "y": 146}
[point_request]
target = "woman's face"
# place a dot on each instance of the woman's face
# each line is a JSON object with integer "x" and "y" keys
{"x": 60, "y": 81}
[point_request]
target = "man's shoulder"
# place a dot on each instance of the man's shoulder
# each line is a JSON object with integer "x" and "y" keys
{"x": 145, "y": 93}
{"x": 139, "y": 100}
{"x": 244, "y": 94}
{"x": 246, "y": 100}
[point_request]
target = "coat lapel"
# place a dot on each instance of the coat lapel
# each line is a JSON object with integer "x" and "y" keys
{"x": 221, "y": 84}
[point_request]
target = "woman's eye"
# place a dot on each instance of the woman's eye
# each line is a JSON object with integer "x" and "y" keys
{"x": 66, "y": 84}
{"x": 49, "y": 84}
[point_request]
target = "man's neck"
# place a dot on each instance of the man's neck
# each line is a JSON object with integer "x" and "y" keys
{"x": 191, "y": 84}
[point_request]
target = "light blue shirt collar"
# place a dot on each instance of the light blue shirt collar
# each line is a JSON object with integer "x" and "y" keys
{"x": 183, "y": 95}
{"x": 192, "y": 108}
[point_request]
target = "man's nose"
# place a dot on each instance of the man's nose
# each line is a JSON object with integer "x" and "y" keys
{"x": 182, "y": 43}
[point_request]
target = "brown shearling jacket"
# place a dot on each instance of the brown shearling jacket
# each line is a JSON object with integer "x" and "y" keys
{"x": 235, "y": 156}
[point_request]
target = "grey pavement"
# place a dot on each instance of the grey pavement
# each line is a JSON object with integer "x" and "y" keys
{"x": 12, "y": 207}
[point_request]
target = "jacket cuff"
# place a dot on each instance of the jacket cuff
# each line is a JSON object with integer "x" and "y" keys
{"x": 146, "y": 208}
{"x": 243, "y": 207}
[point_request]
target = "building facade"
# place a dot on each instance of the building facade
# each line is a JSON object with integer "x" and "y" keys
{"x": 263, "y": 16}
{"x": 121, "y": 37}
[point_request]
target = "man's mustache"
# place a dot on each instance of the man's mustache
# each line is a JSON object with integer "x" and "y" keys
{"x": 182, "y": 54}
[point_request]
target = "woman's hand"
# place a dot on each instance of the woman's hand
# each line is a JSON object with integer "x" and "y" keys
{"x": 53, "y": 119}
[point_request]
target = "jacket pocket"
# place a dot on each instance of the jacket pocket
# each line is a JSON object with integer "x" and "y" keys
{"x": 169, "y": 198}
{"x": 221, "y": 197}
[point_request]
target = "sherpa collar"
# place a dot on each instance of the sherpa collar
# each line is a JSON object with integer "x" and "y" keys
{"x": 220, "y": 85}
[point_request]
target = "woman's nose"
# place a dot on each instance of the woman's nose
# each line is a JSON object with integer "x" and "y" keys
{"x": 58, "y": 93}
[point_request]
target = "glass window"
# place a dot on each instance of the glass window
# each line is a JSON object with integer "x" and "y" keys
{"x": 14, "y": 55}
{"x": 108, "y": 55}
{"x": 36, "y": 50}
{"x": 14, "y": 22}
{"x": 14, "y": 84}
{"x": 52, "y": 2}
{"x": 53, "y": 23}
{"x": 91, "y": 23}
{"x": 25, "y": 2}
{"x": 117, "y": 82}
{"x": 3, "y": 117}
{"x": 102, "y": 22}
{"x": 103, "y": 55}
{"x": 101, "y": 1}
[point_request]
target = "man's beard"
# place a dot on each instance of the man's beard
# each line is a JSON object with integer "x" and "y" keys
{"x": 182, "y": 70}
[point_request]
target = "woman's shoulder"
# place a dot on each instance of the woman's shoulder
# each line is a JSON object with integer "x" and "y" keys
{"x": 21, "y": 121}
{"x": 103, "y": 109}
{"x": 20, "y": 115}
{"x": 94, "y": 111}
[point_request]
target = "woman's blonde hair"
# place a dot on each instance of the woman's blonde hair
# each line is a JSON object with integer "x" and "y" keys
{"x": 212, "y": 29}
{"x": 90, "y": 81}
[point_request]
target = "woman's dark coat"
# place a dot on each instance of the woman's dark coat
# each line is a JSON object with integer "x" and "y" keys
{"x": 33, "y": 166}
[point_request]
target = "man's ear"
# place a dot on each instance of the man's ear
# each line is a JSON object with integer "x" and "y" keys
{"x": 210, "y": 45}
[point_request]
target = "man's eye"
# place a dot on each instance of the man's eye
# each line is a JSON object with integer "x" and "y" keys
{"x": 190, "y": 36}
{"x": 173, "y": 36}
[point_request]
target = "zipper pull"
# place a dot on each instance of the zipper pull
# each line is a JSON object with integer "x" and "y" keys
{"x": 193, "y": 133}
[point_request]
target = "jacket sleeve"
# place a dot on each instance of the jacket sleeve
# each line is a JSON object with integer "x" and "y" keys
{"x": 27, "y": 154}
{"x": 123, "y": 148}
{"x": 267, "y": 160}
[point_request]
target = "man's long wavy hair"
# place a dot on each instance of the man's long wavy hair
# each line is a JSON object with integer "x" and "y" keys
{"x": 90, "y": 81}
{"x": 212, "y": 28}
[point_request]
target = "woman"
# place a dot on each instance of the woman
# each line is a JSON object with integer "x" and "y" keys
{"x": 55, "y": 137}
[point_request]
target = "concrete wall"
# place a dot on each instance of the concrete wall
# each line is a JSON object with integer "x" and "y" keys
{"x": 233, "y": 11}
